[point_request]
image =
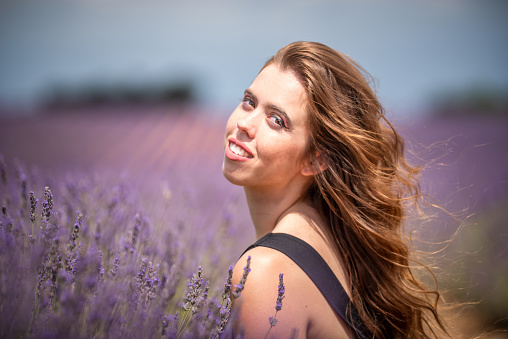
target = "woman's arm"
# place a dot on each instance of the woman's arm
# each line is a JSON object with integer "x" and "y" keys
{"x": 258, "y": 300}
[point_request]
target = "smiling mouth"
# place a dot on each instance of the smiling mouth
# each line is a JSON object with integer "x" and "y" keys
{"x": 238, "y": 150}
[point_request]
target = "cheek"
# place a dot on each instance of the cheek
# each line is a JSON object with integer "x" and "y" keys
{"x": 230, "y": 125}
{"x": 285, "y": 153}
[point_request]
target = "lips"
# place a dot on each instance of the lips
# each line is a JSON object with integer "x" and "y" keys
{"x": 236, "y": 150}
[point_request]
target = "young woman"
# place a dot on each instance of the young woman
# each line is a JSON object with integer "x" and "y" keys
{"x": 326, "y": 183}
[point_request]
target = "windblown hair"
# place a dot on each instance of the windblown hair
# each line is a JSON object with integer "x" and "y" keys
{"x": 363, "y": 193}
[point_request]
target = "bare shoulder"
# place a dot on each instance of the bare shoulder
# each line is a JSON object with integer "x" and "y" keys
{"x": 304, "y": 305}
{"x": 304, "y": 308}
{"x": 258, "y": 299}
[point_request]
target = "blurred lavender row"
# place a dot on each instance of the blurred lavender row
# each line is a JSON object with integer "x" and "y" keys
{"x": 94, "y": 244}
{"x": 139, "y": 203}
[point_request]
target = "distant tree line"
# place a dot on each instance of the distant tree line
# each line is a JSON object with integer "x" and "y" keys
{"x": 177, "y": 92}
{"x": 474, "y": 100}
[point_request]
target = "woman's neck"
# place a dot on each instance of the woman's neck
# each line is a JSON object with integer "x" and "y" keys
{"x": 266, "y": 206}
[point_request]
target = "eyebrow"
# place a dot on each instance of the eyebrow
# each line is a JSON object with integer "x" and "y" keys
{"x": 273, "y": 107}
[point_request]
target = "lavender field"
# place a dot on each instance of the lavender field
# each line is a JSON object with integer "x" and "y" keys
{"x": 118, "y": 223}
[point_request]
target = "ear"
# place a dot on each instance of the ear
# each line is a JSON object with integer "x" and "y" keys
{"x": 310, "y": 169}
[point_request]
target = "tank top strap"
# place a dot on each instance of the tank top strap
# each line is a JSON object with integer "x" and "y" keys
{"x": 316, "y": 268}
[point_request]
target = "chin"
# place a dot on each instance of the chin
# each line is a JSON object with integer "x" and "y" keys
{"x": 232, "y": 177}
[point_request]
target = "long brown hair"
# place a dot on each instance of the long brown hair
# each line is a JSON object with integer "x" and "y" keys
{"x": 363, "y": 193}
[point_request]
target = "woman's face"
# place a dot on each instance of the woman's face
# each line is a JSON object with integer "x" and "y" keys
{"x": 266, "y": 134}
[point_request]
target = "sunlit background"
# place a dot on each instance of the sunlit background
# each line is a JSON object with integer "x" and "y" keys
{"x": 146, "y": 86}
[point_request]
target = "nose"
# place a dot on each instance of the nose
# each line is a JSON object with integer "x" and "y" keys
{"x": 248, "y": 125}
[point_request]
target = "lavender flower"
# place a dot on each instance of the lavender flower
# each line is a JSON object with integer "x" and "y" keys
{"x": 193, "y": 300}
{"x": 70, "y": 267}
{"x": 114, "y": 269}
{"x": 273, "y": 321}
{"x": 151, "y": 282}
{"x": 176, "y": 325}
{"x": 33, "y": 215}
{"x": 75, "y": 231}
{"x": 227, "y": 285}
{"x": 141, "y": 275}
{"x": 193, "y": 297}
{"x": 70, "y": 260}
{"x": 100, "y": 268}
{"x": 165, "y": 324}
{"x": 205, "y": 293}
{"x": 281, "y": 291}
{"x": 225, "y": 305}
{"x": 33, "y": 207}
{"x": 32, "y": 238}
{"x": 278, "y": 304}
{"x": 222, "y": 320}
{"x": 130, "y": 245}
{"x": 243, "y": 279}
{"x": 48, "y": 272}
{"x": 47, "y": 204}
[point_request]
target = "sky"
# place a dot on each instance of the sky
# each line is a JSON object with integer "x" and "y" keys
{"x": 415, "y": 50}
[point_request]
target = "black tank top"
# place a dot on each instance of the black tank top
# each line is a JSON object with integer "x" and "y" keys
{"x": 309, "y": 260}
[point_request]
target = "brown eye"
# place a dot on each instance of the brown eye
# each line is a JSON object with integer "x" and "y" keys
{"x": 248, "y": 101}
{"x": 277, "y": 121}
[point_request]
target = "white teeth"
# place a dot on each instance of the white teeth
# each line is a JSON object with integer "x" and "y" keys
{"x": 239, "y": 151}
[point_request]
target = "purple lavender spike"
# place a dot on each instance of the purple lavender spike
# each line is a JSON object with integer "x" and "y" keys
{"x": 114, "y": 270}
{"x": 33, "y": 207}
{"x": 278, "y": 304}
{"x": 47, "y": 204}
{"x": 281, "y": 291}
{"x": 243, "y": 279}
